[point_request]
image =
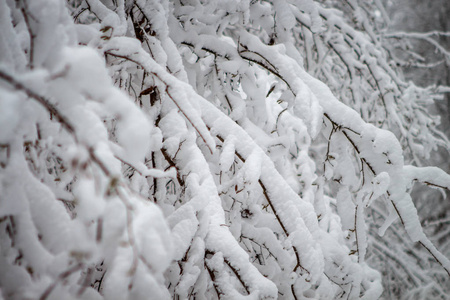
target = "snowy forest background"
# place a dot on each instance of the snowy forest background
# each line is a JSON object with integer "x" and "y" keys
{"x": 227, "y": 149}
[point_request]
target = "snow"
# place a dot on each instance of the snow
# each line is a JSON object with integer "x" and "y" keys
{"x": 150, "y": 232}
{"x": 180, "y": 95}
{"x": 10, "y": 55}
{"x": 346, "y": 208}
{"x": 247, "y": 175}
{"x": 284, "y": 15}
{"x": 431, "y": 176}
{"x": 380, "y": 185}
{"x": 107, "y": 17}
{"x": 10, "y": 120}
{"x": 183, "y": 230}
{"x": 227, "y": 153}
{"x": 295, "y": 220}
{"x": 89, "y": 201}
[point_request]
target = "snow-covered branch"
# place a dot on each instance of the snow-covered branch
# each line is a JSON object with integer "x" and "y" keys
{"x": 219, "y": 150}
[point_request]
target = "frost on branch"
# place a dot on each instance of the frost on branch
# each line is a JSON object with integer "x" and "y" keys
{"x": 187, "y": 150}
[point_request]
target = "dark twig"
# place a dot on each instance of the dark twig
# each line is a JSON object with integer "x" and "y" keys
{"x": 61, "y": 277}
